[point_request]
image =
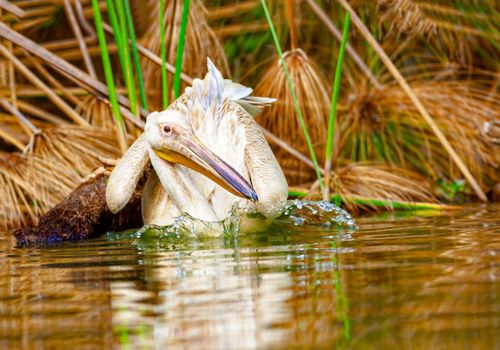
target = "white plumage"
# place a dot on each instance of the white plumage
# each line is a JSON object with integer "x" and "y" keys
{"x": 211, "y": 124}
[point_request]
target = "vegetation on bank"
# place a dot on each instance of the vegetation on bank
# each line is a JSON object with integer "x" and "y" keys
{"x": 381, "y": 104}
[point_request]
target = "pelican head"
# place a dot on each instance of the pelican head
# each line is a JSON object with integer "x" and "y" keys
{"x": 208, "y": 155}
{"x": 171, "y": 137}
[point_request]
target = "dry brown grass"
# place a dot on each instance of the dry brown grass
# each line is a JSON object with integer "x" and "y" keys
{"x": 29, "y": 187}
{"x": 383, "y": 125}
{"x": 281, "y": 118}
{"x": 97, "y": 113}
{"x": 363, "y": 180}
{"x": 374, "y": 125}
{"x": 426, "y": 17}
{"x": 74, "y": 149}
{"x": 457, "y": 30}
{"x": 408, "y": 17}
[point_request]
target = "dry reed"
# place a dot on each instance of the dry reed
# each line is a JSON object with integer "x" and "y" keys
{"x": 383, "y": 125}
{"x": 281, "y": 118}
{"x": 380, "y": 182}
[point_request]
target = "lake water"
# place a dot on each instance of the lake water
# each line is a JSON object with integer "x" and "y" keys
{"x": 421, "y": 280}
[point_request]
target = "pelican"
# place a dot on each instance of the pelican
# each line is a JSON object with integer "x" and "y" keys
{"x": 208, "y": 155}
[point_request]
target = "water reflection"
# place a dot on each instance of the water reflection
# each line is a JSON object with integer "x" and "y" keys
{"x": 425, "y": 281}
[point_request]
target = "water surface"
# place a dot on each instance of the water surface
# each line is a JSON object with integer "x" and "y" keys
{"x": 421, "y": 280}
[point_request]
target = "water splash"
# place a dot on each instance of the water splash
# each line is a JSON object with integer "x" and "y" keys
{"x": 323, "y": 213}
{"x": 293, "y": 212}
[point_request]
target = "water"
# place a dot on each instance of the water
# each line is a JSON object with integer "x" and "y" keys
{"x": 421, "y": 280}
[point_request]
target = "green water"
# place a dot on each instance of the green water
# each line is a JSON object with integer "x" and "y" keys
{"x": 420, "y": 281}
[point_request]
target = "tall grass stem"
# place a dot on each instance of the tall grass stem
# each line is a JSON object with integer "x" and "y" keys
{"x": 180, "y": 49}
{"x": 294, "y": 95}
{"x": 108, "y": 73}
{"x": 333, "y": 108}
{"x": 135, "y": 54}
{"x": 163, "y": 55}
{"x": 128, "y": 70}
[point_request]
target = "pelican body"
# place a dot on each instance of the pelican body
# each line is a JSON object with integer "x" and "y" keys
{"x": 208, "y": 155}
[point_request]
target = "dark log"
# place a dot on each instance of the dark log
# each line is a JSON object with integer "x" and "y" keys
{"x": 83, "y": 214}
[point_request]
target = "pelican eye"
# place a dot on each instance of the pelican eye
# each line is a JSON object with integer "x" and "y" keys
{"x": 167, "y": 129}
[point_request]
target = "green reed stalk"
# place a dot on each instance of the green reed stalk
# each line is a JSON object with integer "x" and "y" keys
{"x": 135, "y": 54}
{"x": 128, "y": 70}
{"x": 116, "y": 28}
{"x": 180, "y": 49}
{"x": 163, "y": 54}
{"x": 108, "y": 73}
{"x": 378, "y": 203}
{"x": 395, "y": 205}
{"x": 294, "y": 95}
{"x": 333, "y": 109}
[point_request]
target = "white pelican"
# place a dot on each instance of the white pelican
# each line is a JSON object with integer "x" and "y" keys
{"x": 208, "y": 154}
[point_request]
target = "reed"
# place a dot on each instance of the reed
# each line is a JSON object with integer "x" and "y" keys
{"x": 376, "y": 183}
{"x": 118, "y": 21}
{"x": 292, "y": 92}
{"x": 375, "y": 203}
{"x": 163, "y": 55}
{"x": 135, "y": 54}
{"x": 333, "y": 108}
{"x": 180, "y": 49}
{"x": 108, "y": 73}
{"x": 200, "y": 43}
{"x": 29, "y": 188}
{"x": 384, "y": 126}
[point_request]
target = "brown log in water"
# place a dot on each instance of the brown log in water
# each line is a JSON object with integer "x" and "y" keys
{"x": 83, "y": 214}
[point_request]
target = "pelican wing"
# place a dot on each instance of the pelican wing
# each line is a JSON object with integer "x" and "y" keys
{"x": 127, "y": 173}
{"x": 265, "y": 172}
{"x": 254, "y": 104}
